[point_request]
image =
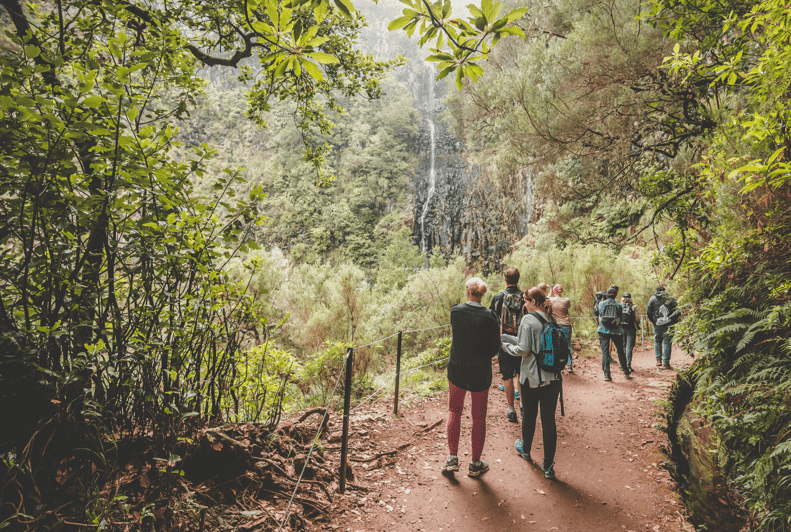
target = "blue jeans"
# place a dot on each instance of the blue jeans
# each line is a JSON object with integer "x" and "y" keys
{"x": 567, "y": 330}
{"x": 604, "y": 343}
{"x": 629, "y": 338}
{"x": 663, "y": 340}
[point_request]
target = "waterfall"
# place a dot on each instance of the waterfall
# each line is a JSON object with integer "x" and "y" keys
{"x": 432, "y": 178}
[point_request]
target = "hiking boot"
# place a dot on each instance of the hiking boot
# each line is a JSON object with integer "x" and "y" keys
{"x": 478, "y": 468}
{"x": 658, "y": 363}
{"x": 667, "y": 365}
{"x": 549, "y": 472}
{"x": 512, "y": 416}
{"x": 627, "y": 375}
{"x": 450, "y": 464}
{"x": 607, "y": 378}
{"x": 519, "y": 445}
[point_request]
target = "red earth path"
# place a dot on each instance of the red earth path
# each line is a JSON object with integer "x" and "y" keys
{"x": 609, "y": 463}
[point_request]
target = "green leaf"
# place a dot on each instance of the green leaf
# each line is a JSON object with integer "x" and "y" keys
{"x": 346, "y": 7}
{"x": 399, "y": 23}
{"x": 324, "y": 59}
{"x": 31, "y": 51}
{"x": 312, "y": 70}
{"x": 93, "y": 101}
{"x": 459, "y": 77}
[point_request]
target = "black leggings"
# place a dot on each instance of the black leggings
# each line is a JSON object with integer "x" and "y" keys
{"x": 547, "y": 397}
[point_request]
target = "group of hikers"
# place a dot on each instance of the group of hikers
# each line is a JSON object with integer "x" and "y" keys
{"x": 530, "y": 333}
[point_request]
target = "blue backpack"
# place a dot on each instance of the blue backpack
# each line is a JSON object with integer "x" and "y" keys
{"x": 555, "y": 352}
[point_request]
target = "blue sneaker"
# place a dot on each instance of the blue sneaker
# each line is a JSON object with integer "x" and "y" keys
{"x": 519, "y": 445}
{"x": 516, "y": 395}
{"x": 501, "y": 387}
{"x": 549, "y": 472}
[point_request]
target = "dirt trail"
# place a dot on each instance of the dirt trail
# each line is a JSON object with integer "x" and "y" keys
{"x": 608, "y": 463}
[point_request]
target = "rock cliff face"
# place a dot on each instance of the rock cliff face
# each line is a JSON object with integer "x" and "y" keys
{"x": 452, "y": 210}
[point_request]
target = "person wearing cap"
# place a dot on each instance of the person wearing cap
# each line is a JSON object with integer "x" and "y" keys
{"x": 611, "y": 334}
{"x": 662, "y": 311}
{"x": 630, "y": 321}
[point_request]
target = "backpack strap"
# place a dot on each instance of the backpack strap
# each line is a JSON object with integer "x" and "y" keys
{"x": 543, "y": 324}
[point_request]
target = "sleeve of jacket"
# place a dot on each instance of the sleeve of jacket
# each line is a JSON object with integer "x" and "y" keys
{"x": 493, "y": 336}
{"x": 649, "y": 310}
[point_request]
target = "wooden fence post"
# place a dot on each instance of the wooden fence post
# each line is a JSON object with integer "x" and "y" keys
{"x": 398, "y": 374}
{"x": 347, "y": 396}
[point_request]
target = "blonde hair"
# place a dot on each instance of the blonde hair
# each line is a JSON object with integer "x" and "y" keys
{"x": 476, "y": 287}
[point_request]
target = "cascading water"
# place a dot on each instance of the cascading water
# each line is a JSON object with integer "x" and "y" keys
{"x": 432, "y": 179}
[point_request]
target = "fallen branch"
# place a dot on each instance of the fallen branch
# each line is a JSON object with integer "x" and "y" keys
{"x": 428, "y": 428}
{"x": 386, "y": 453}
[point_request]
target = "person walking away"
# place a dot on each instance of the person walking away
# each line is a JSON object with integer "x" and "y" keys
{"x": 560, "y": 311}
{"x": 544, "y": 287}
{"x": 475, "y": 341}
{"x": 508, "y": 306}
{"x": 610, "y": 333}
{"x": 630, "y": 320}
{"x": 662, "y": 312}
{"x": 540, "y": 389}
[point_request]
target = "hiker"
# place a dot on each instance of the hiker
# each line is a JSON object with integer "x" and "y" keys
{"x": 560, "y": 311}
{"x": 544, "y": 287}
{"x": 610, "y": 332}
{"x": 662, "y": 311}
{"x": 539, "y": 388}
{"x": 597, "y": 299}
{"x": 630, "y": 321}
{"x": 507, "y": 305}
{"x": 476, "y": 340}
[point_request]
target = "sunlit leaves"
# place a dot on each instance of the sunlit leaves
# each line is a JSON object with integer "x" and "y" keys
{"x": 467, "y": 40}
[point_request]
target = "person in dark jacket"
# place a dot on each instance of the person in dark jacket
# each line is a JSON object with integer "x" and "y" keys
{"x": 611, "y": 334}
{"x": 630, "y": 322}
{"x": 509, "y": 366}
{"x": 476, "y": 340}
{"x": 662, "y": 311}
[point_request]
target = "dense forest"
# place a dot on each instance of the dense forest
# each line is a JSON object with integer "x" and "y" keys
{"x": 205, "y": 205}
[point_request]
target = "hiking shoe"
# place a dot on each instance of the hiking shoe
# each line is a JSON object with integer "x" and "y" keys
{"x": 519, "y": 445}
{"x": 501, "y": 387}
{"x": 478, "y": 468}
{"x": 658, "y": 363}
{"x": 450, "y": 464}
{"x": 607, "y": 378}
{"x": 570, "y": 369}
{"x": 512, "y": 416}
{"x": 549, "y": 472}
{"x": 627, "y": 375}
{"x": 667, "y": 365}
{"x": 516, "y": 395}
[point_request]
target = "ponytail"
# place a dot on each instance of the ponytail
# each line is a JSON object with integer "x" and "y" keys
{"x": 537, "y": 296}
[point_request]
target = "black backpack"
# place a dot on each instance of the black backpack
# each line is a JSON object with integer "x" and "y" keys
{"x": 511, "y": 312}
{"x": 597, "y": 299}
{"x": 627, "y": 315}
{"x": 554, "y": 354}
{"x": 608, "y": 314}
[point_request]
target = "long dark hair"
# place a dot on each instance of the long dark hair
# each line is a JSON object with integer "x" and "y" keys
{"x": 536, "y": 295}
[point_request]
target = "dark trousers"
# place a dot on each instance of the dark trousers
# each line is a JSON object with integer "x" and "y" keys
{"x": 629, "y": 339}
{"x": 545, "y": 397}
{"x": 604, "y": 343}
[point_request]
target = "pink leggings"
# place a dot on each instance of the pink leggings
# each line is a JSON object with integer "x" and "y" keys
{"x": 480, "y": 402}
